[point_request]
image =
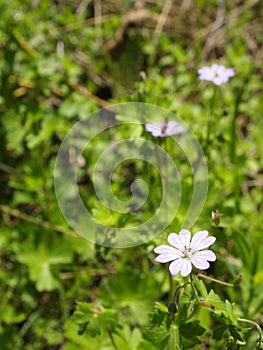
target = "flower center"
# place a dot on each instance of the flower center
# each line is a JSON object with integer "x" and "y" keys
{"x": 164, "y": 128}
{"x": 187, "y": 252}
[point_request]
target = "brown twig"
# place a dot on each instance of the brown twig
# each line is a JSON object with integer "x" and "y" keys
{"x": 18, "y": 214}
{"x": 161, "y": 20}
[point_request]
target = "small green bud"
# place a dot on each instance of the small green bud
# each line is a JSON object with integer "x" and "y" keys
{"x": 237, "y": 279}
{"x": 259, "y": 343}
{"x": 172, "y": 307}
{"x": 216, "y": 217}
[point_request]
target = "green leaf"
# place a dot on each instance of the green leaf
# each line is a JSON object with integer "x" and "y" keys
{"x": 145, "y": 345}
{"x": 127, "y": 338}
{"x": 174, "y": 341}
{"x": 216, "y": 301}
{"x": 200, "y": 286}
{"x": 191, "y": 329}
{"x": 156, "y": 335}
{"x": 236, "y": 333}
{"x": 96, "y": 319}
{"x": 219, "y": 331}
{"x": 161, "y": 307}
{"x": 39, "y": 260}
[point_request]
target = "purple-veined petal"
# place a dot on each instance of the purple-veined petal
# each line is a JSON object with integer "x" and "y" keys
{"x": 175, "y": 266}
{"x": 166, "y": 253}
{"x": 166, "y": 249}
{"x": 201, "y": 241}
{"x": 185, "y": 237}
{"x": 206, "y": 255}
{"x": 200, "y": 263}
{"x": 175, "y": 240}
{"x": 186, "y": 267}
{"x": 164, "y": 258}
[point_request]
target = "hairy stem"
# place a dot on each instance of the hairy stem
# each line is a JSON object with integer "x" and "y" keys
{"x": 215, "y": 280}
{"x": 254, "y": 324}
{"x": 194, "y": 290}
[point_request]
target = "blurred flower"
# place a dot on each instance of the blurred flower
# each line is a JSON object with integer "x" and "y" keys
{"x": 218, "y": 74}
{"x": 186, "y": 252}
{"x": 164, "y": 128}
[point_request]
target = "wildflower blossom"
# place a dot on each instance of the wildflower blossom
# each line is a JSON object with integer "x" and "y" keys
{"x": 163, "y": 129}
{"x": 217, "y": 73}
{"x": 186, "y": 252}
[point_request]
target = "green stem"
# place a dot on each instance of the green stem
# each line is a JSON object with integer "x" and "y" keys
{"x": 194, "y": 290}
{"x": 210, "y": 119}
{"x": 215, "y": 280}
{"x": 233, "y": 127}
{"x": 112, "y": 340}
{"x": 171, "y": 287}
{"x": 177, "y": 290}
{"x": 254, "y": 324}
{"x": 36, "y": 221}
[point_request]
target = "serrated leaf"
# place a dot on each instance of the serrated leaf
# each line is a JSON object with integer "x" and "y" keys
{"x": 218, "y": 332}
{"x": 216, "y": 301}
{"x": 200, "y": 286}
{"x": 174, "y": 341}
{"x": 191, "y": 329}
{"x": 127, "y": 338}
{"x": 39, "y": 261}
{"x": 161, "y": 307}
{"x": 97, "y": 319}
{"x": 156, "y": 335}
{"x": 236, "y": 333}
{"x": 145, "y": 345}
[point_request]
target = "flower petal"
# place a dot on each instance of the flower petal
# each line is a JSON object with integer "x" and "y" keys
{"x": 175, "y": 240}
{"x": 206, "y": 254}
{"x": 165, "y": 249}
{"x": 201, "y": 241}
{"x": 166, "y": 253}
{"x": 200, "y": 259}
{"x": 175, "y": 266}
{"x": 155, "y": 128}
{"x": 199, "y": 263}
{"x": 174, "y": 128}
{"x": 185, "y": 237}
{"x": 164, "y": 258}
{"x": 183, "y": 265}
{"x": 186, "y": 268}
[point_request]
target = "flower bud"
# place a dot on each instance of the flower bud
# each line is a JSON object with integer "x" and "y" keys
{"x": 216, "y": 217}
{"x": 172, "y": 307}
{"x": 237, "y": 279}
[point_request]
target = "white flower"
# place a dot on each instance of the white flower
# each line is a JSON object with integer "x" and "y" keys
{"x": 217, "y": 73}
{"x": 186, "y": 252}
{"x": 163, "y": 129}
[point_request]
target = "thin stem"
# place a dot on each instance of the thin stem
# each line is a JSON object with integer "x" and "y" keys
{"x": 112, "y": 340}
{"x": 178, "y": 288}
{"x": 210, "y": 119}
{"x": 215, "y": 280}
{"x": 254, "y": 324}
{"x": 36, "y": 221}
{"x": 194, "y": 290}
{"x": 233, "y": 127}
{"x": 171, "y": 286}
